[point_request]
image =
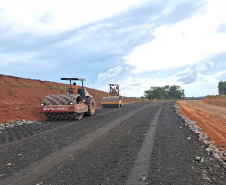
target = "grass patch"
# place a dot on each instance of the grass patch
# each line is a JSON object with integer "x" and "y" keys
{"x": 217, "y": 96}
{"x": 28, "y": 85}
{"x": 22, "y": 84}
{"x": 14, "y": 85}
{"x": 11, "y": 91}
{"x": 56, "y": 87}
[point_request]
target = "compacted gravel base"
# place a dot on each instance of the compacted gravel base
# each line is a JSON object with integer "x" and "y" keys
{"x": 22, "y": 131}
{"x": 22, "y": 153}
{"x": 174, "y": 155}
{"x": 109, "y": 159}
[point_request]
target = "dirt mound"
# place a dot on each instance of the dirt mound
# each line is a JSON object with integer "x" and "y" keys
{"x": 219, "y": 100}
{"x": 19, "y": 97}
{"x": 211, "y": 118}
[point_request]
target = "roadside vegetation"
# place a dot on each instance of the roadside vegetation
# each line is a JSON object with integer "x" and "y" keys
{"x": 217, "y": 100}
{"x": 222, "y": 87}
{"x": 56, "y": 87}
{"x": 11, "y": 91}
{"x": 221, "y": 98}
{"x": 164, "y": 93}
{"x": 22, "y": 84}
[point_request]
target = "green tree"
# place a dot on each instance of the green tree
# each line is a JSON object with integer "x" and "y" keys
{"x": 167, "y": 96}
{"x": 173, "y": 91}
{"x": 166, "y": 92}
{"x": 157, "y": 93}
{"x": 222, "y": 87}
{"x": 178, "y": 94}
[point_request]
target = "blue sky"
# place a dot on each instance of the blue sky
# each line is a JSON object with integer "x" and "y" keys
{"x": 136, "y": 43}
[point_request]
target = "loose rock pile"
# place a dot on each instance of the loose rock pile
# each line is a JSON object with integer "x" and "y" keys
{"x": 218, "y": 153}
{"x": 18, "y": 122}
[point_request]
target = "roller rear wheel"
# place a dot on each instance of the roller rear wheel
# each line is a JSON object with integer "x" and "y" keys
{"x": 91, "y": 106}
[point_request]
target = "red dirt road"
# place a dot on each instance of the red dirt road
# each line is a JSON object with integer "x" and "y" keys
{"x": 20, "y": 97}
{"x": 211, "y": 118}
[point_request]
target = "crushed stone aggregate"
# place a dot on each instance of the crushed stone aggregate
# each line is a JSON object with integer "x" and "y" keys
{"x": 36, "y": 147}
{"x": 109, "y": 160}
{"x": 177, "y": 160}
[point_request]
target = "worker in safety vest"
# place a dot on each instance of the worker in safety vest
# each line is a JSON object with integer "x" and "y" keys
{"x": 75, "y": 88}
{"x": 113, "y": 91}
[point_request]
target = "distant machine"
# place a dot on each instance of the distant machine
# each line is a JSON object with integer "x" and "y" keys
{"x": 72, "y": 105}
{"x": 114, "y": 99}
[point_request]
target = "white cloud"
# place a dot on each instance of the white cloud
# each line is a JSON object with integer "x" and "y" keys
{"x": 159, "y": 73}
{"x": 170, "y": 6}
{"x": 193, "y": 73}
{"x": 111, "y": 73}
{"x": 200, "y": 89}
{"x": 211, "y": 63}
{"x": 186, "y": 42}
{"x": 26, "y": 61}
{"x": 7, "y": 59}
{"x": 204, "y": 85}
{"x": 221, "y": 76}
{"x": 47, "y": 18}
{"x": 67, "y": 14}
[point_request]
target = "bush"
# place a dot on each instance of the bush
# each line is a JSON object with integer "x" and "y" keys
{"x": 11, "y": 91}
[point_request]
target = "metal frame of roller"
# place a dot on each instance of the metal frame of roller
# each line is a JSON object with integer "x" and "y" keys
{"x": 114, "y": 100}
{"x": 68, "y": 106}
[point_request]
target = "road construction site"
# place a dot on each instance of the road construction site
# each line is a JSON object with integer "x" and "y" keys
{"x": 210, "y": 118}
{"x": 139, "y": 143}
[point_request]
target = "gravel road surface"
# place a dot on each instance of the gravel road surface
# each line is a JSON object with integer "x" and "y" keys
{"x": 140, "y": 143}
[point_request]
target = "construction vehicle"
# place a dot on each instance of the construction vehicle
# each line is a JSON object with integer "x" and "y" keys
{"x": 68, "y": 106}
{"x": 113, "y": 99}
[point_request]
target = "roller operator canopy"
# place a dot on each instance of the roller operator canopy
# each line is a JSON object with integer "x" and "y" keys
{"x": 81, "y": 79}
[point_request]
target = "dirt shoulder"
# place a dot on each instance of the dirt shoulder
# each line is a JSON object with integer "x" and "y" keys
{"x": 211, "y": 118}
{"x": 20, "y": 97}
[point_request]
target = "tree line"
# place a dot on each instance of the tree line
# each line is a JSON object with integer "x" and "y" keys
{"x": 164, "y": 93}
{"x": 222, "y": 87}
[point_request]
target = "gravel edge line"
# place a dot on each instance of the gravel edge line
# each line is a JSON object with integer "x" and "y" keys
{"x": 11, "y": 124}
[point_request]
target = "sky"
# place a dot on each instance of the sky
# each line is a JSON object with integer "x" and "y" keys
{"x": 134, "y": 43}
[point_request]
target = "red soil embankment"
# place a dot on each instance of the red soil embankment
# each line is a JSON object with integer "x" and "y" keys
{"x": 219, "y": 100}
{"x": 211, "y": 118}
{"x": 20, "y": 97}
